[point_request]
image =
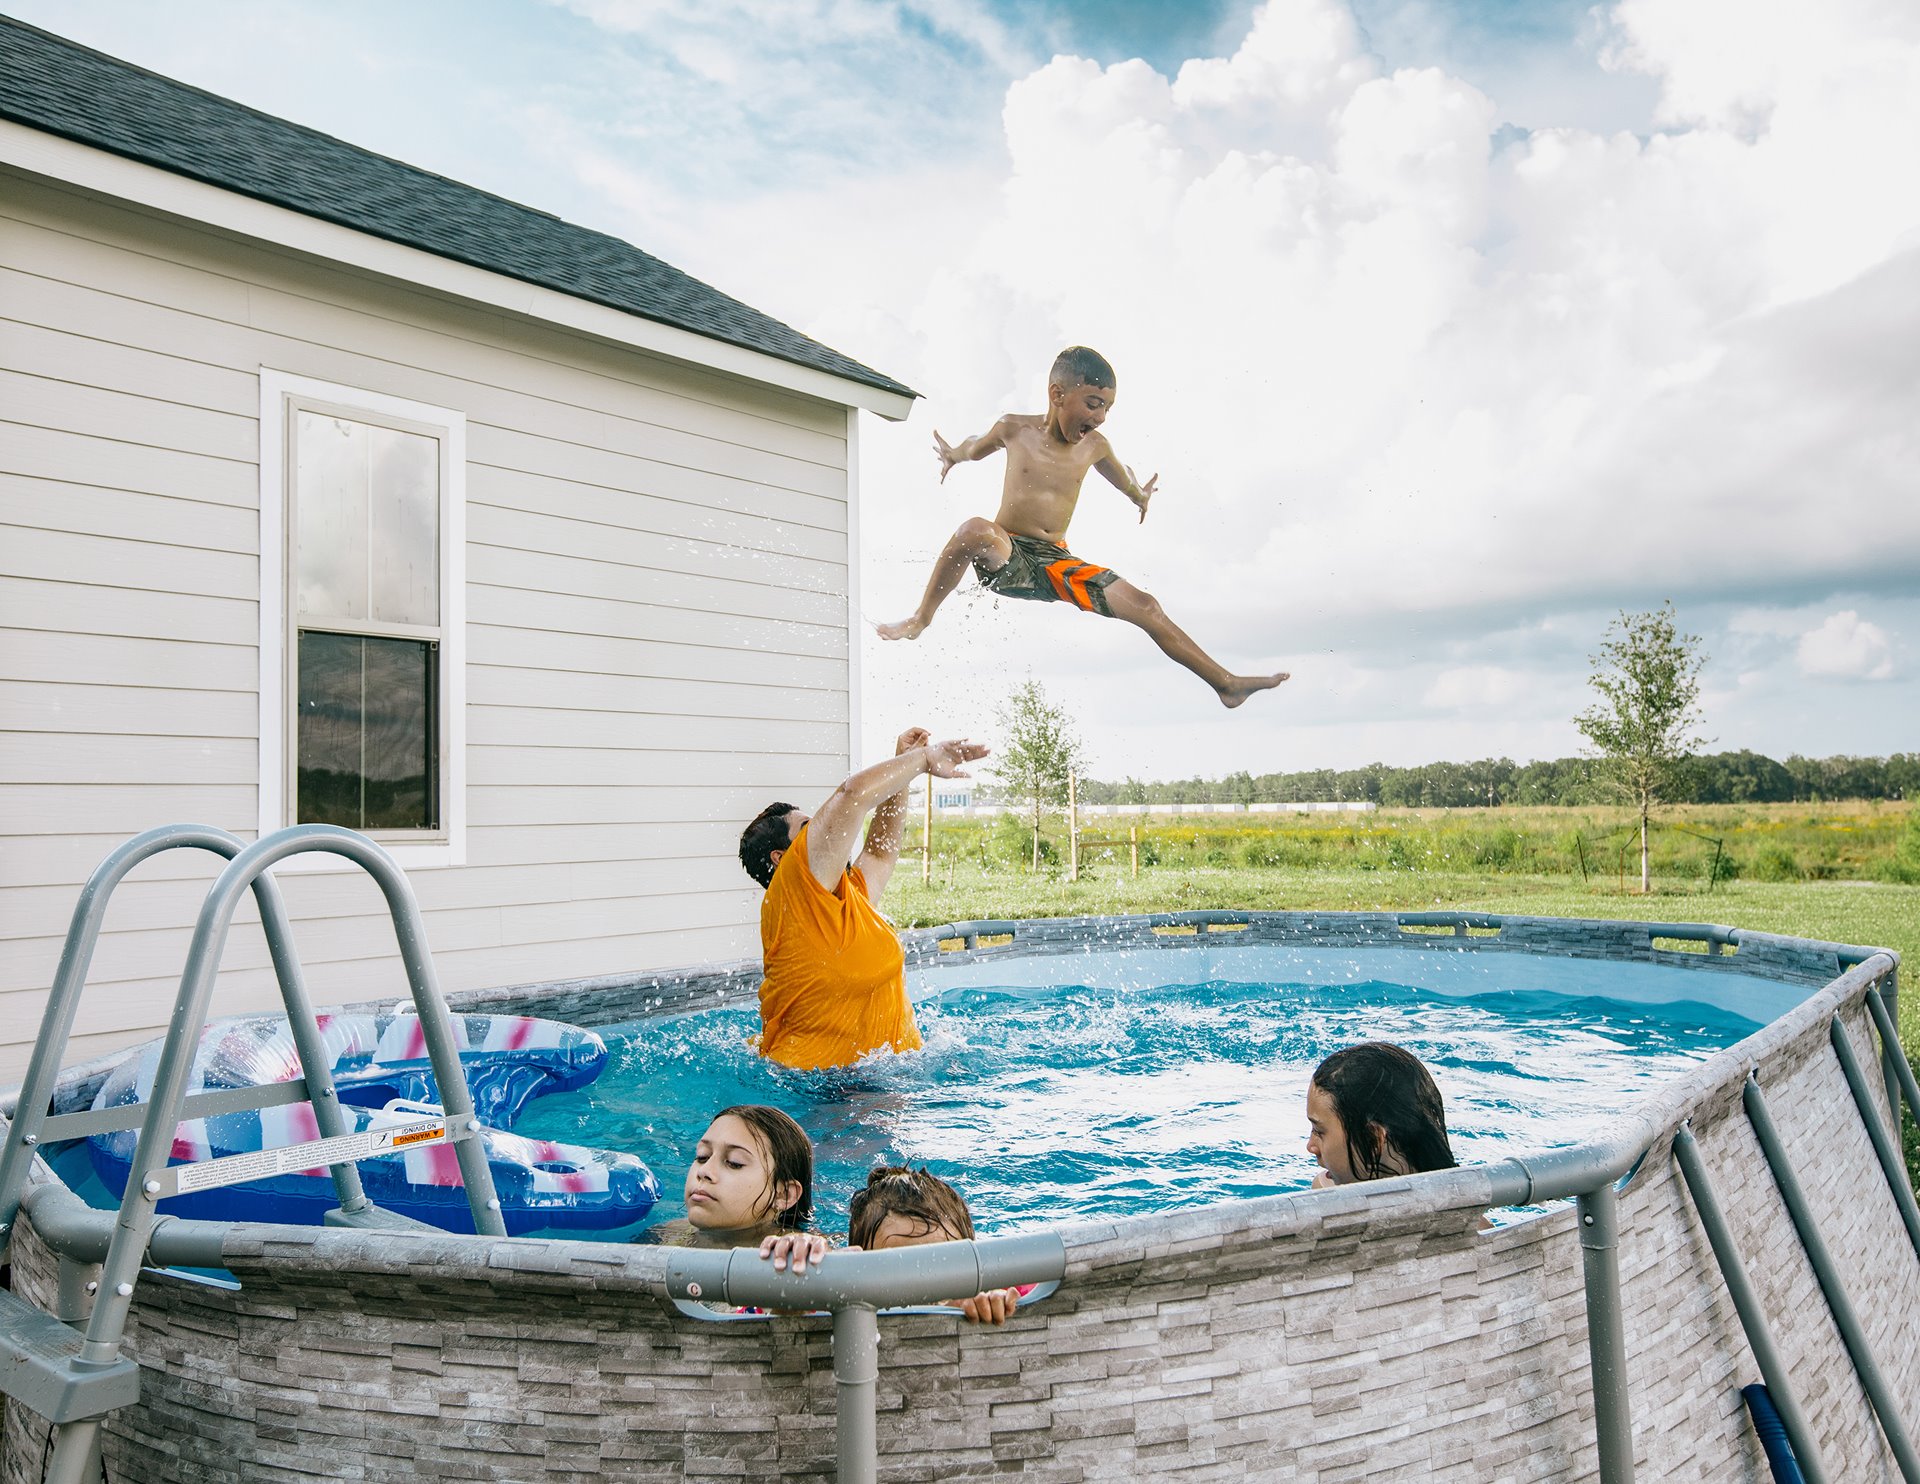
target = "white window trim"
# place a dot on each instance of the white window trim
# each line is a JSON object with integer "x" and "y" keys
{"x": 275, "y": 388}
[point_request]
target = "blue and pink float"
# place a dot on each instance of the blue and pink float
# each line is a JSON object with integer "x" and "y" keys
{"x": 383, "y": 1077}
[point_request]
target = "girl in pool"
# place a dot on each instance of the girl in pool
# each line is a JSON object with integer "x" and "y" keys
{"x": 903, "y": 1207}
{"x": 1373, "y": 1111}
{"x": 751, "y": 1182}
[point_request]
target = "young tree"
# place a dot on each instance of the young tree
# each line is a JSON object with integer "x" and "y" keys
{"x": 1036, "y": 754}
{"x": 1644, "y": 724}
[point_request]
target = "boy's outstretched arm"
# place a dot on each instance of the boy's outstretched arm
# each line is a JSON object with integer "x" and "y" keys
{"x": 1121, "y": 478}
{"x": 968, "y": 449}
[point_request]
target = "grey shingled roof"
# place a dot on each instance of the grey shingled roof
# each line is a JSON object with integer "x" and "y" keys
{"x": 52, "y": 84}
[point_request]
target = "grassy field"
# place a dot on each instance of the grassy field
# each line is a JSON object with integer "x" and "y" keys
{"x": 1485, "y": 860}
{"x": 1855, "y": 841}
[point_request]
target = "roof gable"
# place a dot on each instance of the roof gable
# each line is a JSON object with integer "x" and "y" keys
{"x": 55, "y": 85}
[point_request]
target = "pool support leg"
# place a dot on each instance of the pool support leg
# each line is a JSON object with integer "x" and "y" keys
{"x": 856, "y": 1374}
{"x": 1599, "y": 1212}
{"x": 1885, "y": 1149}
{"x": 1885, "y": 1013}
{"x": 1872, "y": 1380}
{"x": 1746, "y": 1303}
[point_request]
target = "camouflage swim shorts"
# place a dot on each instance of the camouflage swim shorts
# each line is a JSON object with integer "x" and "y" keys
{"x": 1046, "y": 572}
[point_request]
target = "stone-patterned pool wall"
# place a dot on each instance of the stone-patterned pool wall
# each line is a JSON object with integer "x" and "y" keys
{"x": 1368, "y": 1331}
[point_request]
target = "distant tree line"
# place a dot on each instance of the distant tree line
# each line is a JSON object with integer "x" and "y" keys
{"x": 1717, "y": 778}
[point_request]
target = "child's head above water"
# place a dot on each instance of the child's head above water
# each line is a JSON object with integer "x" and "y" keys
{"x": 1373, "y": 1111}
{"x": 752, "y": 1168}
{"x": 903, "y": 1207}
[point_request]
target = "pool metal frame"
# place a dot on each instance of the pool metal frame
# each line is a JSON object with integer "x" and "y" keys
{"x": 72, "y": 1380}
{"x": 854, "y": 1286}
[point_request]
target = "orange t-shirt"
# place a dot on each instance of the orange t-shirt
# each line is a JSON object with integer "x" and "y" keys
{"x": 834, "y": 986}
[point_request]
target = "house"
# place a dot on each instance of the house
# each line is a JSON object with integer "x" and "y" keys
{"x": 331, "y": 489}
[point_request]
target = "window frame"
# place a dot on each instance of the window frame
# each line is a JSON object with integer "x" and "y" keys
{"x": 282, "y": 396}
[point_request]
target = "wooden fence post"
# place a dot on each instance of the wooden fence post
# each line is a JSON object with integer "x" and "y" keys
{"x": 1133, "y": 848}
{"x": 1073, "y": 827}
{"x": 926, "y": 837}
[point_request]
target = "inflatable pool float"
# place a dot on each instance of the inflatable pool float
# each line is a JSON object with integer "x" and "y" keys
{"x": 383, "y": 1077}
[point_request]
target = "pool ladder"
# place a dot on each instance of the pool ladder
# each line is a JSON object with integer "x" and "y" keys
{"x": 74, "y": 1378}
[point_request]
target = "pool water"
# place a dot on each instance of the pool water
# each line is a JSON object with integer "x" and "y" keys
{"x": 1056, "y": 1104}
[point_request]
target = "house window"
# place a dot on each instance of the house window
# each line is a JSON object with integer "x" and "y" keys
{"x": 368, "y": 657}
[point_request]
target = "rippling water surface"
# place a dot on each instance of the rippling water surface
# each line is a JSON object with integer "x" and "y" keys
{"x": 1068, "y": 1103}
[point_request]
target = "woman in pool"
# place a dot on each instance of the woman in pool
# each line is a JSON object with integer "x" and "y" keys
{"x": 751, "y": 1182}
{"x": 833, "y": 987}
{"x": 1373, "y": 1111}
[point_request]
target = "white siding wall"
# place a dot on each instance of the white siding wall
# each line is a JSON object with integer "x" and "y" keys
{"x": 656, "y": 597}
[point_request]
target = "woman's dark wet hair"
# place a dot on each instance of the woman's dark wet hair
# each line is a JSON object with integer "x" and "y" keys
{"x": 1384, "y": 1096}
{"x": 1079, "y": 366}
{"x": 789, "y": 1158}
{"x": 759, "y": 840}
{"x": 918, "y": 1195}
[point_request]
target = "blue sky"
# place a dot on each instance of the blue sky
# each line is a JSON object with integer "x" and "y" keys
{"x": 1452, "y": 328}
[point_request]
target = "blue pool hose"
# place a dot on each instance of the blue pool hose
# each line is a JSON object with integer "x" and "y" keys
{"x": 1773, "y": 1435}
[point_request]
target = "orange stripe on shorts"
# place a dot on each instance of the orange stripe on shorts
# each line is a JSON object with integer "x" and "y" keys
{"x": 1057, "y": 575}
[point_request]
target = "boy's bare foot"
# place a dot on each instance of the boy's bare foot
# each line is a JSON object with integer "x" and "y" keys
{"x": 913, "y": 628}
{"x": 1239, "y": 687}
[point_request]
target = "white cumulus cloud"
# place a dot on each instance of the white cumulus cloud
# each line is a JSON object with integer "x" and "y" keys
{"x": 1847, "y": 647}
{"x": 1407, "y": 375}
{"x": 1471, "y": 686}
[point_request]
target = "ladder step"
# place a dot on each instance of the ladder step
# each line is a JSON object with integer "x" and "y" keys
{"x": 40, "y": 1367}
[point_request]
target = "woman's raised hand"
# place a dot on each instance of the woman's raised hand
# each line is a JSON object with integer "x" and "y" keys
{"x": 945, "y": 758}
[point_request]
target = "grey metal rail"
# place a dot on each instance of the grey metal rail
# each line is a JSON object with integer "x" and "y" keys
{"x": 1853, "y": 1335}
{"x": 74, "y": 1380}
{"x": 1599, "y": 1213}
{"x": 31, "y": 1123}
{"x": 1885, "y": 1149}
{"x": 854, "y": 1285}
{"x": 1746, "y": 1303}
{"x": 1893, "y": 1056}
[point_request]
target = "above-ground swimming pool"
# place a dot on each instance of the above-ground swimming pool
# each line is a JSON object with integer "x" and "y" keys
{"x": 1176, "y": 1079}
{"x": 1370, "y": 1330}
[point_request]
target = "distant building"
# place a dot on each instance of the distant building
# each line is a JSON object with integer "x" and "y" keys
{"x": 334, "y": 490}
{"x": 951, "y": 793}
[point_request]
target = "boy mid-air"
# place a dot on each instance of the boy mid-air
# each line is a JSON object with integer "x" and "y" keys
{"x": 1022, "y": 551}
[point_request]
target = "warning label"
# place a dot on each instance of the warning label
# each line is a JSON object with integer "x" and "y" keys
{"x": 263, "y": 1164}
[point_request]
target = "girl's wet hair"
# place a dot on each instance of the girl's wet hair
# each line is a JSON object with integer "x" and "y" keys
{"x": 896, "y": 1190}
{"x": 1383, "y": 1096}
{"x": 767, "y": 833}
{"x": 789, "y": 1158}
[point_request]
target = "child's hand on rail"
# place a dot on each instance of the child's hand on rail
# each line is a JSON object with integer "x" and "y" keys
{"x": 797, "y": 1248}
{"x": 995, "y": 1306}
